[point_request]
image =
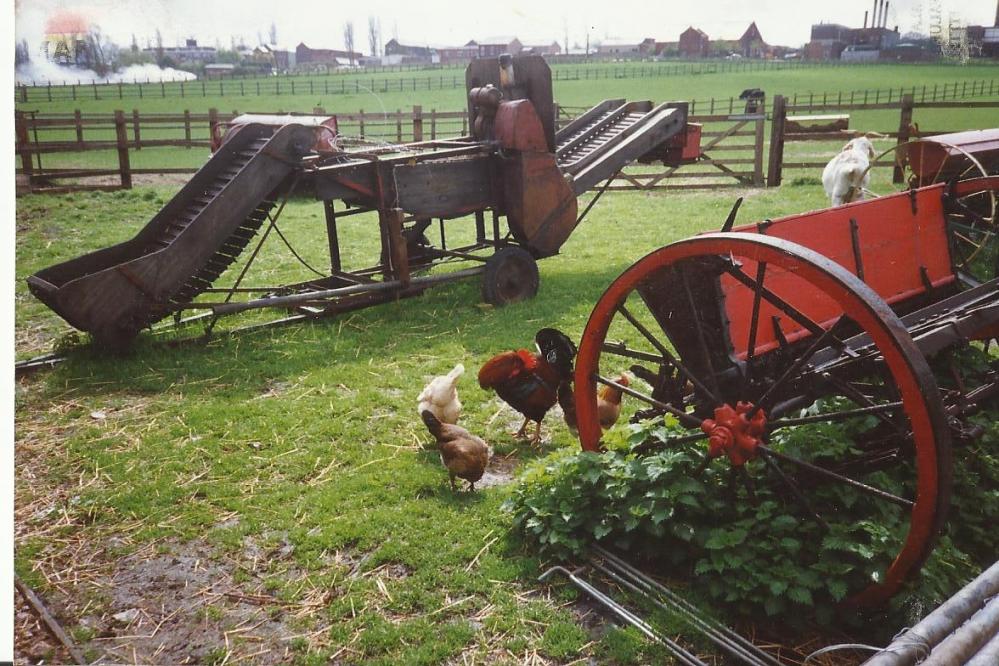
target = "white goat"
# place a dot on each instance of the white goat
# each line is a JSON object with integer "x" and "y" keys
{"x": 846, "y": 176}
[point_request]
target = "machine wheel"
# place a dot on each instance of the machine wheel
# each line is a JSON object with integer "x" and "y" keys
{"x": 743, "y": 339}
{"x": 511, "y": 275}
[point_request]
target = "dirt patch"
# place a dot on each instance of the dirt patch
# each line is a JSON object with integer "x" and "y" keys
{"x": 181, "y": 605}
{"x": 501, "y": 471}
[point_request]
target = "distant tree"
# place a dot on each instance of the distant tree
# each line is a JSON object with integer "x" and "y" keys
{"x": 374, "y": 34}
{"x": 100, "y": 54}
{"x": 160, "y": 56}
{"x": 260, "y": 38}
{"x": 273, "y": 34}
{"x": 348, "y": 40}
{"x": 22, "y": 55}
{"x": 135, "y": 44}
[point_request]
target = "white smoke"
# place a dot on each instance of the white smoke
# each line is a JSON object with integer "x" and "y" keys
{"x": 30, "y": 19}
{"x": 40, "y": 72}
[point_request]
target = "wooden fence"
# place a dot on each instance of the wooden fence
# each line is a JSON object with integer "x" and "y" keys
{"x": 908, "y": 129}
{"x": 733, "y": 148}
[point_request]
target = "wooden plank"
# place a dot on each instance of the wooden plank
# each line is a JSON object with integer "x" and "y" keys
{"x": 444, "y": 189}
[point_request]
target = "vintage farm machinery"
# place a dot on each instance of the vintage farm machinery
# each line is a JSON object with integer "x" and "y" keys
{"x": 515, "y": 165}
{"x": 828, "y": 317}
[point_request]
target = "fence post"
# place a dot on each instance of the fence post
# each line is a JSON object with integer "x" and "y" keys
{"x": 124, "y": 169}
{"x": 776, "y": 142}
{"x": 213, "y": 124}
{"x": 360, "y": 122}
{"x": 417, "y": 122}
{"x": 904, "y": 125}
{"x": 187, "y": 127}
{"x": 135, "y": 129}
{"x": 758, "y": 151}
{"x": 24, "y": 146}
{"x": 398, "y": 125}
{"x": 78, "y": 120}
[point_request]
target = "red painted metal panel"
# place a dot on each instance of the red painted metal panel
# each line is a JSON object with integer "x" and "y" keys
{"x": 518, "y": 127}
{"x": 895, "y": 245}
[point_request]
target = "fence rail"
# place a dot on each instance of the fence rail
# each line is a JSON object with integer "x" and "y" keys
{"x": 733, "y": 146}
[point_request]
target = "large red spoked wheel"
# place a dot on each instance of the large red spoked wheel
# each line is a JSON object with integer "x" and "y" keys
{"x": 744, "y": 338}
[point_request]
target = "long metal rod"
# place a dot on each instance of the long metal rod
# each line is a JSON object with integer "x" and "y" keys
{"x": 682, "y": 655}
{"x": 815, "y": 469}
{"x": 294, "y": 299}
{"x": 833, "y": 416}
{"x": 654, "y": 586}
{"x": 699, "y": 625}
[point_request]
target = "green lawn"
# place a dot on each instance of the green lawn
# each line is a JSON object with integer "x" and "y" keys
{"x": 306, "y": 437}
{"x": 285, "y": 471}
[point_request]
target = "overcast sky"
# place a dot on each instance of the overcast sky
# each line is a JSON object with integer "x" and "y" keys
{"x": 443, "y": 22}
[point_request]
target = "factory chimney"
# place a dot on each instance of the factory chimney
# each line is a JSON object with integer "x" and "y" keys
{"x": 865, "y": 17}
{"x": 884, "y": 17}
{"x": 874, "y": 13}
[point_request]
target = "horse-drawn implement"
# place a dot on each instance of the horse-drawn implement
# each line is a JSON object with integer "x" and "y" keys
{"x": 829, "y": 317}
{"x": 515, "y": 165}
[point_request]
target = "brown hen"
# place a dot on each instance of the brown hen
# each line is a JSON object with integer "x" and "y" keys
{"x": 464, "y": 454}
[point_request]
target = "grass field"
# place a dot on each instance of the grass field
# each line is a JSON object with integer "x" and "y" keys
{"x": 273, "y": 496}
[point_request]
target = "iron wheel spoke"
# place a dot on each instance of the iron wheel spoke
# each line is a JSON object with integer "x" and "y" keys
{"x": 795, "y": 490}
{"x": 701, "y": 342}
{"x": 685, "y": 418}
{"x": 754, "y": 320}
{"x": 836, "y": 416}
{"x": 793, "y": 370}
{"x": 821, "y": 471}
{"x": 774, "y": 299}
{"x": 666, "y": 355}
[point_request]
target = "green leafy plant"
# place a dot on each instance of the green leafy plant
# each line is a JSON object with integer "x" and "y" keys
{"x": 760, "y": 554}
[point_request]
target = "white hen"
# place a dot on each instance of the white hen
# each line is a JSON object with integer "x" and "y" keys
{"x": 440, "y": 396}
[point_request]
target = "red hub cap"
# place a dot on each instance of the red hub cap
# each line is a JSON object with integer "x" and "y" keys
{"x": 734, "y": 432}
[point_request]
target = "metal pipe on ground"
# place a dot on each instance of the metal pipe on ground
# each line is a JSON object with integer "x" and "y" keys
{"x": 681, "y": 654}
{"x": 988, "y": 655}
{"x": 684, "y": 606}
{"x": 916, "y": 643}
{"x": 968, "y": 639}
{"x": 737, "y": 651}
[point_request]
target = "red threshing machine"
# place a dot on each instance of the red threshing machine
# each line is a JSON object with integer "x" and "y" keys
{"x": 828, "y": 317}
{"x": 515, "y": 165}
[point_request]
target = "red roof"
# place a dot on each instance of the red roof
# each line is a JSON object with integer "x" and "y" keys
{"x": 66, "y": 23}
